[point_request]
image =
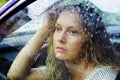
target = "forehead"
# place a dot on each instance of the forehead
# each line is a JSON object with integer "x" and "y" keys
{"x": 69, "y": 18}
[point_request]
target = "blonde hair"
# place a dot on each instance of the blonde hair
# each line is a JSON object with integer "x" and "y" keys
{"x": 56, "y": 69}
{"x": 100, "y": 50}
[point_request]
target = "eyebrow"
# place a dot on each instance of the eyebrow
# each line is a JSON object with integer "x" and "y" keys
{"x": 68, "y": 26}
{"x": 57, "y": 24}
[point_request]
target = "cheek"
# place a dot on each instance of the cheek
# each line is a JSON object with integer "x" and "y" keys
{"x": 77, "y": 52}
{"x": 77, "y": 46}
{"x": 76, "y": 42}
{"x": 54, "y": 36}
{"x": 74, "y": 46}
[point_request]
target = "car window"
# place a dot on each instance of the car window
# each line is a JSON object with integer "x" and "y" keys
{"x": 29, "y": 19}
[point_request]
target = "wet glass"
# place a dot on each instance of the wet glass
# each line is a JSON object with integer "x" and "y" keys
{"x": 26, "y": 22}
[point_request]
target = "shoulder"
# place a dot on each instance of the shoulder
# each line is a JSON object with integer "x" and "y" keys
{"x": 42, "y": 69}
{"x": 103, "y": 73}
{"x": 44, "y": 72}
{"x": 36, "y": 74}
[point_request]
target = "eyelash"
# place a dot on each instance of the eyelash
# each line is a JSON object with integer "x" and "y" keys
{"x": 73, "y": 32}
{"x": 57, "y": 29}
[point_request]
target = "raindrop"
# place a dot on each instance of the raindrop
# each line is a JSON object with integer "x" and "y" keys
{"x": 88, "y": 18}
{"x": 98, "y": 19}
{"x": 88, "y": 4}
{"x": 95, "y": 9}
{"x": 87, "y": 8}
{"x": 88, "y": 33}
{"x": 93, "y": 6}
{"x": 85, "y": 35}
{"x": 105, "y": 36}
{"x": 85, "y": 29}
{"x": 103, "y": 14}
{"x": 82, "y": 40}
{"x": 104, "y": 31}
{"x": 73, "y": 10}
{"x": 89, "y": 24}
{"x": 91, "y": 36}
{"x": 85, "y": 21}
{"x": 81, "y": 30}
{"x": 71, "y": 14}
{"x": 91, "y": 15}
{"x": 78, "y": 9}
{"x": 96, "y": 32}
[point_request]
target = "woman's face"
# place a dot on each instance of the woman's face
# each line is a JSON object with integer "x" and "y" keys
{"x": 68, "y": 38}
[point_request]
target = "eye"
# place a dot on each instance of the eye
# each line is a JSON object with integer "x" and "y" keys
{"x": 58, "y": 28}
{"x": 73, "y": 32}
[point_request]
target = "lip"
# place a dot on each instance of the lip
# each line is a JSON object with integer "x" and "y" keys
{"x": 60, "y": 49}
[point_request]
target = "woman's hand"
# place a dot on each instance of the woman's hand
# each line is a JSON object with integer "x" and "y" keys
{"x": 49, "y": 20}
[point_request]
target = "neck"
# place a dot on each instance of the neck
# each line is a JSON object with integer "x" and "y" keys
{"x": 80, "y": 70}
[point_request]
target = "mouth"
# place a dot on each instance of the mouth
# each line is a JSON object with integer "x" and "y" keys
{"x": 61, "y": 50}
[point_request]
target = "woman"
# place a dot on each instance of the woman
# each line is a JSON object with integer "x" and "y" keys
{"x": 79, "y": 48}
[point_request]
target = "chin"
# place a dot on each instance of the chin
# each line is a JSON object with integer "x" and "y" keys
{"x": 59, "y": 56}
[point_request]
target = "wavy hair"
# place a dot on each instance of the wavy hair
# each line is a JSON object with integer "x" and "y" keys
{"x": 100, "y": 50}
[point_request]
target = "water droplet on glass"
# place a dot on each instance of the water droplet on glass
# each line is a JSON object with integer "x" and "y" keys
{"x": 98, "y": 19}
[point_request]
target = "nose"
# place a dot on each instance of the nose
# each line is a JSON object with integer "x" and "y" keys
{"x": 62, "y": 37}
